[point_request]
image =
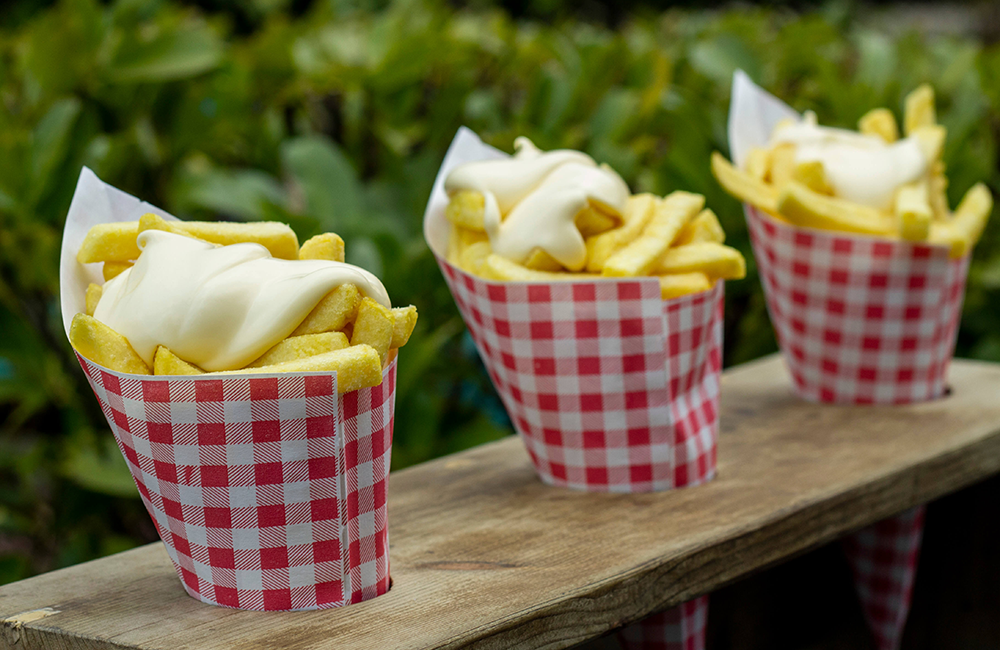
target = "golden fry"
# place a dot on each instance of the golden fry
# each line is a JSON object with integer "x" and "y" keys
{"x": 965, "y": 228}
{"x": 110, "y": 242}
{"x": 758, "y": 163}
{"x": 744, "y": 186}
{"x": 276, "y": 237}
{"x": 112, "y": 270}
{"x": 333, "y": 312}
{"x": 714, "y": 260}
{"x": 937, "y": 191}
{"x": 637, "y": 214}
{"x": 782, "y": 165}
{"x": 592, "y": 221}
{"x": 357, "y": 366}
{"x": 166, "y": 362}
{"x": 466, "y": 209}
{"x": 682, "y": 284}
{"x": 404, "y": 319}
{"x": 104, "y": 346}
{"x": 300, "y": 347}
{"x": 803, "y": 207}
{"x": 704, "y": 227}
{"x": 913, "y": 211}
{"x": 930, "y": 140}
{"x": 373, "y": 326}
{"x": 918, "y": 109}
{"x": 501, "y": 268}
{"x": 94, "y": 292}
{"x": 539, "y": 260}
{"x": 669, "y": 216}
{"x": 879, "y": 122}
{"x": 328, "y": 246}
{"x": 472, "y": 257}
{"x": 812, "y": 175}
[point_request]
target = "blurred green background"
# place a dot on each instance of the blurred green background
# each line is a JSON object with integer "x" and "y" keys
{"x": 334, "y": 115}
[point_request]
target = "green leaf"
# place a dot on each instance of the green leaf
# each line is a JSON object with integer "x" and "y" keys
{"x": 99, "y": 467}
{"x": 189, "y": 51}
{"x": 50, "y": 142}
{"x": 327, "y": 179}
{"x": 241, "y": 193}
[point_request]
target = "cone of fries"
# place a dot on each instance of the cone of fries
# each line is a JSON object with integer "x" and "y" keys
{"x": 598, "y": 313}
{"x": 250, "y": 385}
{"x": 863, "y": 263}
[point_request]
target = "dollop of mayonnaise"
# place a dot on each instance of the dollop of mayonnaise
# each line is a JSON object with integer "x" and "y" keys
{"x": 861, "y": 168}
{"x": 533, "y": 197}
{"x": 219, "y": 307}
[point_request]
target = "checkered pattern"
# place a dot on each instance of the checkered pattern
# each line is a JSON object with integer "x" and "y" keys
{"x": 680, "y": 628}
{"x": 611, "y": 388}
{"x": 268, "y": 491}
{"x": 883, "y": 559}
{"x": 859, "y": 319}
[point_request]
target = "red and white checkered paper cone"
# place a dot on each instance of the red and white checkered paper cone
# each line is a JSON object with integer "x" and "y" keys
{"x": 883, "y": 559}
{"x": 268, "y": 491}
{"x": 859, "y": 320}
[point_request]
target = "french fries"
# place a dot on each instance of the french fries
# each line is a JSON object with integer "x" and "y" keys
{"x": 626, "y": 235}
{"x": 802, "y": 193}
{"x": 104, "y": 346}
{"x": 346, "y": 332}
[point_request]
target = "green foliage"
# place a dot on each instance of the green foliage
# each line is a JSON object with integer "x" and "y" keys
{"x": 338, "y": 120}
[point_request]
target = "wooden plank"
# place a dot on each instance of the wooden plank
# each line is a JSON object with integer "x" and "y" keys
{"x": 485, "y": 556}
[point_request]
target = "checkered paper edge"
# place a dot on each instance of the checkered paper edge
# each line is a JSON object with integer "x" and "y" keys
{"x": 268, "y": 491}
{"x": 883, "y": 560}
{"x": 859, "y": 319}
{"x": 680, "y": 628}
{"x": 610, "y": 387}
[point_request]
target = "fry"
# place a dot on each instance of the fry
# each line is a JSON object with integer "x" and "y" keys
{"x": 466, "y": 209}
{"x": 637, "y": 214}
{"x": 333, "y": 312}
{"x": 782, "y": 165}
{"x": 682, "y": 284}
{"x": 758, "y": 163}
{"x": 166, "y": 362}
{"x": 704, "y": 227}
{"x": 918, "y": 109}
{"x": 539, "y": 260}
{"x": 812, "y": 175}
{"x": 592, "y": 221}
{"x": 472, "y": 257}
{"x": 94, "y": 292}
{"x": 276, "y": 237}
{"x": 744, "y": 186}
{"x": 328, "y": 246}
{"x": 300, "y": 347}
{"x": 112, "y": 270}
{"x": 880, "y": 122}
{"x": 913, "y": 212}
{"x": 104, "y": 346}
{"x": 714, "y": 260}
{"x": 937, "y": 191}
{"x": 965, "y": 228}
{"x": 669, "y": 216}
{"x": 803, "y": 207}
{"x": 358, "y": 366}
{"x": 404, "y": 319}
{"x": 501, "y": 268}
{"x": 931, "y": 140}
{"x": 109, "y": 242}
{"x": 374, "y": 326}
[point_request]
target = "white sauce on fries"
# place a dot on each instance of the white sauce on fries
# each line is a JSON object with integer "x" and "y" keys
{"x": 861, "y": 168}
{"x": 219, "y": 307}
{"x": 533, "y": 197}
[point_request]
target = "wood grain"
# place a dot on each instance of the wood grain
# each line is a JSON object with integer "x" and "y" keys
{"x": 485, "y": 556}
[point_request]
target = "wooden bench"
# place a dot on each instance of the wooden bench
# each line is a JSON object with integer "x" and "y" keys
{"x": 485, "y": 556}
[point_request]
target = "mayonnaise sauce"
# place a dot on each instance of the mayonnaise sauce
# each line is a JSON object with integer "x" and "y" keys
{"x": 218, "y": 307}
{"x": 533, "y": 197}
{"x": 861, "y": 168}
